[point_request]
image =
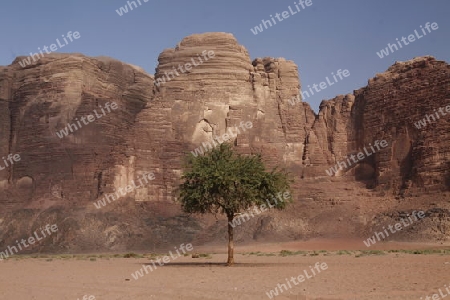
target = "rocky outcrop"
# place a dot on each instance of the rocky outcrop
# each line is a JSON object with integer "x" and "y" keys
{"x": 214, "y": 97}
{"x": 390, "y": 108}
{"x": 329, "y": 136}
{"x": 40, "y": 100}
{"x": 160, "y": 119}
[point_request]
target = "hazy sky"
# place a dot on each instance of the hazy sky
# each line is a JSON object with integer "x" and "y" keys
{"x": 322, "y": 38}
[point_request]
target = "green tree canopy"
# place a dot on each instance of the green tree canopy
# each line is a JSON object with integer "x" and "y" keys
{"x": 222, "y": 181}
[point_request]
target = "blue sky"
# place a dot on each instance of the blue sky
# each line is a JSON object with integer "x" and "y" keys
{"x": 327, "y": 36}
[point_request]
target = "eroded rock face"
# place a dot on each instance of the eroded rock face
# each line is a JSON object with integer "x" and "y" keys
{"x": 328, "y": 137}
{"x": 42, "y": 99}
{"x": 426, "y": 161}
{"x": 213, "y": 97}
{"x": 389, "y": 109}
{"x": 158, "y": 122}
{"x": 416, "y": 159}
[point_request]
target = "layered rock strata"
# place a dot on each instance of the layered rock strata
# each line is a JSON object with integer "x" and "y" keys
{"x": 390, "y": 108}
{"x": 155, "y": 125}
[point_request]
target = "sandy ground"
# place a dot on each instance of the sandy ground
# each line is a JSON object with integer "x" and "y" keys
{"x": 390, "y": 276}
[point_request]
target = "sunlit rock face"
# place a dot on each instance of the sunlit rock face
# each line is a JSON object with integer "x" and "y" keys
{"x": 205, "y": 87}
{"x": 222, "y": 90}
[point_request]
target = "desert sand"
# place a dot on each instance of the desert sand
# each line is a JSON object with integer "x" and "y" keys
{"x": 399, "y": 276}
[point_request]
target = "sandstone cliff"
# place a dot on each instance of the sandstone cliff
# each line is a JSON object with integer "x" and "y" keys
{"x": 57, "y": 179}
{"x": 417, "y": 159}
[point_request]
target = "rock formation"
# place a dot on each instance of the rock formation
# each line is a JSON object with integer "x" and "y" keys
{"x": 388, "y": 109}
{"x": 158, "y": 122}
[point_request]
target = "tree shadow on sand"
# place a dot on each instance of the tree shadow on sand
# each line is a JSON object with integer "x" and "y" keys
{"x": 223, "y": 264}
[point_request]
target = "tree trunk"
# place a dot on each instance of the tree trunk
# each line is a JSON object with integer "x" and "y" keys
{"x": 230, "y": 261}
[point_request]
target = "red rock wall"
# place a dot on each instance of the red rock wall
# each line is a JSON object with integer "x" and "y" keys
{"x": 42, "y": 99}
{"x": 388, "y": 108}
{"x": 155, "y": 126}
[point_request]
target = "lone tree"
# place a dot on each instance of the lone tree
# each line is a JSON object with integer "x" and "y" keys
{"x": 221, "y": 181}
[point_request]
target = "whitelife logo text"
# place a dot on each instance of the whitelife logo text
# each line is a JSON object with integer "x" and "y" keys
{"x": 398, "y": 227}
{"x": 90, "y": 118}
{"x": 35, "y": 237}
{"x": 280, "y": 17}
{"x": 411, "y": 38}
{"x": 321, "y": 86}
{"x": 165, "y": 260}
{"x": 356, "y": 158}
{"x": 27, "y": 61}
